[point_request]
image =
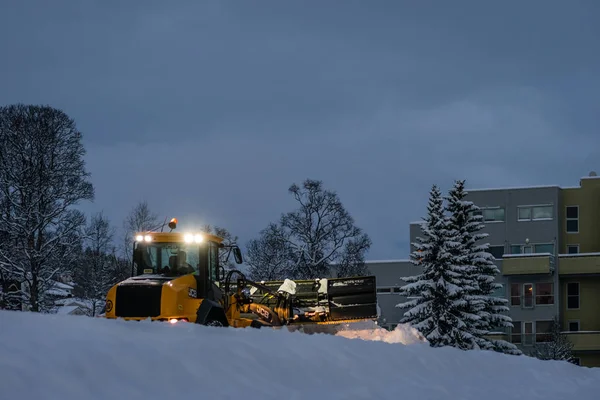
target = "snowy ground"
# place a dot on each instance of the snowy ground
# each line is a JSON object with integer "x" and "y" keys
{"x": 74, "y": 357}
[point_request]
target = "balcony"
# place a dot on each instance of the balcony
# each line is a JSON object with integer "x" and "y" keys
{"x": 579, "y": 264}
{"x": 527, "y": 264}
{"x": 498, "y": 336}
{"x": 584, "y": 341}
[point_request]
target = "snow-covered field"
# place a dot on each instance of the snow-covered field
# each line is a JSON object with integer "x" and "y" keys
{"x": 73, "y": 357}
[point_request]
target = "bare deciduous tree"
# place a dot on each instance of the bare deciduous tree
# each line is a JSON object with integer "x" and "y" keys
{"x": 229, "y": 239}
{"x": 139, "y": 219}
{"x": 317, "y": 235}
{"x": 268, "y": 257}
{"x": 42, "y": 176}
{"x": 94, "y": 273}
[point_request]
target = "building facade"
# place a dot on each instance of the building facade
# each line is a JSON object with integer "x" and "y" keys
{"x": 546, "y": 241}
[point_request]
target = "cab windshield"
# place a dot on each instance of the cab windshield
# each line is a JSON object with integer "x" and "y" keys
{"x": 170, "y": 259}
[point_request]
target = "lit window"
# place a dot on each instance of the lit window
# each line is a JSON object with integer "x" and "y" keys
{"x": 527, "y": 295}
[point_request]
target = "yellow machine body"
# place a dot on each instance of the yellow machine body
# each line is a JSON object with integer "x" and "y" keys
{"x": 176, "y": 277}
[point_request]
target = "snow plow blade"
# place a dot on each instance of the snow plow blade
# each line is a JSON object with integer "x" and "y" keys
{"x": 352, "y": 298}
{"x": 326, "y": 305}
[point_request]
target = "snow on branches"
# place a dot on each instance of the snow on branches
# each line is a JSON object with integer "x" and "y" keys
{"x": 308, "y": 241}
{"x": 42, "y": 177}
{"x": 451, "y": 302}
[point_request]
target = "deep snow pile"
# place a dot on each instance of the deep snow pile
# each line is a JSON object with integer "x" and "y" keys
{"x": 370, "y": 331}
{"x": 72, "y": 357}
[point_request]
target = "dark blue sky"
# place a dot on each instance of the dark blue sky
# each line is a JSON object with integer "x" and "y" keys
{"x": 211, "y": 109}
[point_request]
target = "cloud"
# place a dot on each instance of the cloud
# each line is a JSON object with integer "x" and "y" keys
{"x": 210, "y": 110}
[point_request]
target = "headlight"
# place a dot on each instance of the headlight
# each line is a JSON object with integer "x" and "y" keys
{"x": 139, "y": 238}
{"x": 188, "y": 238}
{"x": 198, "y": 238}
{"x": 148, "y": 238}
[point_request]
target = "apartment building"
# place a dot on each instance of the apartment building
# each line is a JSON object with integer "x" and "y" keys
{"x": 546, "y": 241}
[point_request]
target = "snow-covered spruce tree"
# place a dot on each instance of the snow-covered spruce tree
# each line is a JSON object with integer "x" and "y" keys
{"x": 479, "y": 270}
{"x": 435, "y": 297}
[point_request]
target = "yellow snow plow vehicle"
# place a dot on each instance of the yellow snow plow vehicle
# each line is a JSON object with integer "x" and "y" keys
{"x": 177, "y": 277}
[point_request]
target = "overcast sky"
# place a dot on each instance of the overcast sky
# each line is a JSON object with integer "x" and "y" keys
{"x": 209, "y": 110}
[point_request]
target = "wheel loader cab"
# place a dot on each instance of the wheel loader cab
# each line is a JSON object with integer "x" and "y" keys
{"x": 169, "y": 255}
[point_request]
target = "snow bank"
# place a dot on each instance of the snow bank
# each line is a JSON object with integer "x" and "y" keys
{"x": 369, "y": 331}
{"x": 73, "y": 357}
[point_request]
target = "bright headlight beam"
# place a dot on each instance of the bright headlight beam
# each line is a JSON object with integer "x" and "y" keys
{"x": 139, "y": 238}
{"x": 188, "y": 238}
{"x": 198, "y": 238}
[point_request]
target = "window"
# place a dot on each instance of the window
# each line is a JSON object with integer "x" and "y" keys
{"x": 499, "y": 292}
{"x": 535, "y": 213}
{"x": 515, "y": 294}
{"x": 543, "y": 331}
{"x": 573, "y": 326}
{"x": 532, "y": 248}
{"x": 572, "y": 219}
{"x": 496, "y": 251}
{"x": 396, "y": 290}
{"x": 515, "y": 336}
{"x": 543, "y": 248}
{"x": 516, "y": 249}
{"x": 573, "y": 295}
{"x": 172, "y": 259}
{"x": 493, "y": 214}
{"x": 527, "y": 295}
{"x": 527, "y": 333}
{"x": 572, "y": 249}
{"x": 544, "y": 293}
{"x": 524, "y": 213}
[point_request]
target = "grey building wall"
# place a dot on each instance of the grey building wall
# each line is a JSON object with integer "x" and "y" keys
{"x": 388, "y": 274}
{"x": 514, "y": 232}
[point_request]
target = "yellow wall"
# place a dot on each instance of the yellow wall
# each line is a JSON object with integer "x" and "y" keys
{"x": 588, "y": 313}
{"x": 587, "y": 197}
{"x": 588, "y": 360}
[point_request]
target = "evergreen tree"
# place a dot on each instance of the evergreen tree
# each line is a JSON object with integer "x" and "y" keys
{"x": 435, "y": 297}
{"x": 479, "y": 270}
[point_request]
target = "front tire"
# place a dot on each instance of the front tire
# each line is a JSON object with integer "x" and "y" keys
{"x": 214, "y": 323}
